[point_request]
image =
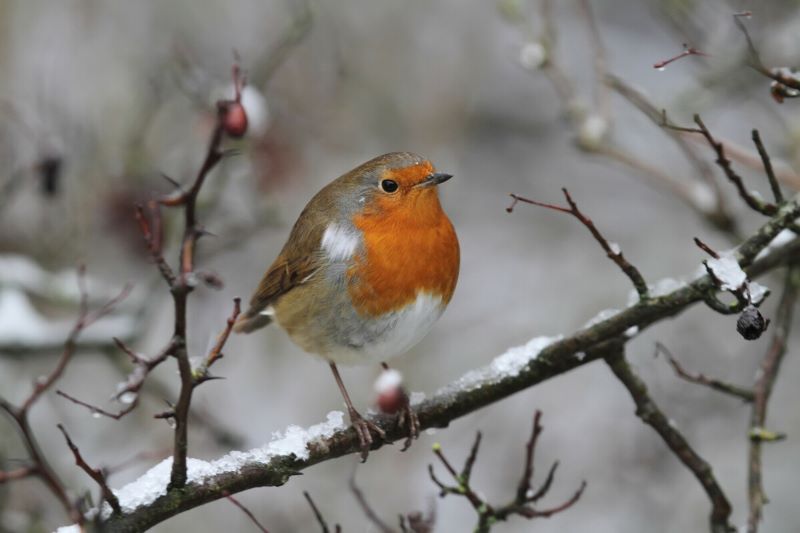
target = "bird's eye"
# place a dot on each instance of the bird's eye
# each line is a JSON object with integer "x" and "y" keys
{"x": 389, "y": 186}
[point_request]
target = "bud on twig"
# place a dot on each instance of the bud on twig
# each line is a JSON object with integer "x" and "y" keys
{"x": 234, "y": 119}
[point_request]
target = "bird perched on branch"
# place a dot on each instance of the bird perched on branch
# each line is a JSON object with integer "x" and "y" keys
{"x": 369, "y": 266}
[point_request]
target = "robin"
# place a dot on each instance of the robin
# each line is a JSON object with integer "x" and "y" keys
{"x": 369, "y": 266}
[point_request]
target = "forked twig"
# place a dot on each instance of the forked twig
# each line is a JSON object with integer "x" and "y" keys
{"x": 701, "y": 379}
{"x": 525, "y": 497}
{"x": 613, "y": 252}
{"x": 95, "y": 473}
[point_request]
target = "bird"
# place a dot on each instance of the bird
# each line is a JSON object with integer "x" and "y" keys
{"x": 369, "y": 266}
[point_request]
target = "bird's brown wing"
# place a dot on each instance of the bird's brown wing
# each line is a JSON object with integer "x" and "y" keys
{"x": 299, "y": 259}
{"x": 284, "y": 274}
{"x": 297, "y": 262}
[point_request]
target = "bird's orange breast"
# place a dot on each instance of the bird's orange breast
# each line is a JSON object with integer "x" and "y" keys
{"x": 409, "y": 247}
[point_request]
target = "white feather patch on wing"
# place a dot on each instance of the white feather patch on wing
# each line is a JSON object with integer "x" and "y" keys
{"x": 269, "y": 311}
{"x": 338, "y": 243}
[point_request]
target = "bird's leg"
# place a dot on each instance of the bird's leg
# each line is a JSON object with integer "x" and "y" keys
{"x": 359, "y": 423}
{"x": 406, "y": 415}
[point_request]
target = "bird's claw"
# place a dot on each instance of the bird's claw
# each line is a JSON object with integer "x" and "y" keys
{"x": 406, "y": 416}
{"x": 364, "y": 429}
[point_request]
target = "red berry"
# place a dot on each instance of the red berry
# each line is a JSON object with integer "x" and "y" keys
{"x": 390, "y": 401}
{"x": 234, "y": 121}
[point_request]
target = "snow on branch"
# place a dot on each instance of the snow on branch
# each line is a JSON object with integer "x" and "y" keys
{"x": 148, "y": 501}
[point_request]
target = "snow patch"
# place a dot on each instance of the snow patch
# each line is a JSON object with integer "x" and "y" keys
{"x": 388, "y": 380}
{"x": 294, "y": 440}
{"x": 757, "y": 292}
{"x": 727, "y": 270}
{"x": 416, "y": 398}
{"x": 605, "y": 314}
{"x": 784, "y": 237}
{"x": 508, "y": 364}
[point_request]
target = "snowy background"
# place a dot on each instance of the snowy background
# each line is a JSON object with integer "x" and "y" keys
{"x": 114, "y": 93}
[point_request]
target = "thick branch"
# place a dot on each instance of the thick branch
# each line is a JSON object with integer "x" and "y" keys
{"x": 462, "y": 398}
{"x": 648, "y": 411}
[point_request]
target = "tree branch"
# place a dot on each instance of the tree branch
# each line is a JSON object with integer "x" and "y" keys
{"x": 247, "y": 512}
{"x": 95, "y": 473}
{"x": 467, "y": 395}
{"x": 318, "y": 515}
{"x": 613, "y": 252}
{"x": 762, "y": 390}
{"x": 649, "y": 412}
{"x": 701, "y": 379}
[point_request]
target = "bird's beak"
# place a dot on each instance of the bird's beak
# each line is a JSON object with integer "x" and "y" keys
{"x": 434, "y": 179}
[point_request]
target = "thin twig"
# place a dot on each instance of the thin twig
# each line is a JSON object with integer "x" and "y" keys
{"x": 318, "y": 515}
{"x": 765, "y": 160}
{"x": 718, "y": 215}
{"x": 85, "y": 319}
{"x": 369, "y": 512}
{"x": 463, "y": 488}
{"x": 216, "y": 351}
{"x": 615, "y": 254}
{"x": 522, "y": 504}
{"x": 302, "y": 21}
{"x": 687, "y": 51}
{"x": 466, "y": 472}
{"x": 706, "y": 248}
{"x": 758, "y": 65}
{"x": 733, "y": 151}
{"x": 39, "y": 466}
{"x": 18, "y": 473}
{"x": 602, "y": 94}
{"x": 97, "y": 410}
{"x": 562, "y": 84}
{"x": 765, "y": 208}
{"x": 700, "y": 379}
{"x": 770, "y": 366}
{"x": 95, "y": 473}
{"x": 246, "y": 511}
{"x": 525, "y": 481}
{"x": 143, "y": 366}
{"x": 152, "y": 242}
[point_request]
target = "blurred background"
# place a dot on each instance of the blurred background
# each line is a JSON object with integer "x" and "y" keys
{"x": 99, "y": 98}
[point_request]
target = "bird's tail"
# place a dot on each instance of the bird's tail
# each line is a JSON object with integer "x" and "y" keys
{"x": 251, "y": 320}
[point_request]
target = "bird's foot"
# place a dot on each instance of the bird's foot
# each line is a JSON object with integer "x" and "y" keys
{"x": 364, "y": 429}
{"x": 406, "y": 416}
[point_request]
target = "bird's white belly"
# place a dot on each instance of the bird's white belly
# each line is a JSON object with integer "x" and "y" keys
{"x": 390, "y": 335}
